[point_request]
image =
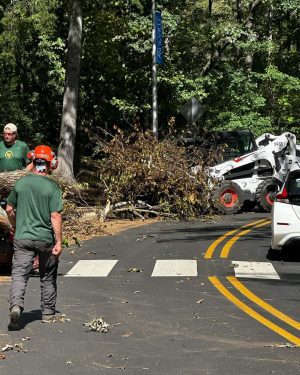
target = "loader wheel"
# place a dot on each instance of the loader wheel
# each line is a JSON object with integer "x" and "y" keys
{"x": 265, "y": 194}
{"x": 228, "y": 198}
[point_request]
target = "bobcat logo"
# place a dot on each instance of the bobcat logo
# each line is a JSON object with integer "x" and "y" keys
{"x": 9, "y": 154}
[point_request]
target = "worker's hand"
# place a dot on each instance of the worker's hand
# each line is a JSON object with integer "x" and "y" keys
{"x": 56, "y": 251}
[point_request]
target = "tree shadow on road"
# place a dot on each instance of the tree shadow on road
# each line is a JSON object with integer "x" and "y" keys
{"x": 207, "y": 232}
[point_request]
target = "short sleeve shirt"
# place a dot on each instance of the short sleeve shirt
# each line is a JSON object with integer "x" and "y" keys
{"x": 13, "y": 157}
{"x": 35, "y": 197}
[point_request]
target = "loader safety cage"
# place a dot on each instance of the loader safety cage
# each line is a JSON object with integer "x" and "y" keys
{"x": 236, "y": 142}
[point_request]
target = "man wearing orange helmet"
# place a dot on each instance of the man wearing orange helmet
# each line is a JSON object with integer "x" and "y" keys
{"x": 34, "y": 210}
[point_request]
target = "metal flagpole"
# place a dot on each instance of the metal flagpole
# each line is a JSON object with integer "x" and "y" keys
{"x": 154, "y": 73}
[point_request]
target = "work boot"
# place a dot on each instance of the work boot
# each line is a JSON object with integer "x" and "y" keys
{"x": 15, "y": 315}
{"x": 48, "y": 318}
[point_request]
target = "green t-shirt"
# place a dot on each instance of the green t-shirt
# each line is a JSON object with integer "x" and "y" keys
{"x": 35, "y": 197}
{"x": 13, "y": 157}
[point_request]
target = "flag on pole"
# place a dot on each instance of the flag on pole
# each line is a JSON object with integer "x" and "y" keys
{"x": 159, "y": 57}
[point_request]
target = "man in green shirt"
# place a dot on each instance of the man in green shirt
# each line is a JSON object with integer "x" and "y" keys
{"x": 33, "y": 209}
{"x": 13, "y": 153}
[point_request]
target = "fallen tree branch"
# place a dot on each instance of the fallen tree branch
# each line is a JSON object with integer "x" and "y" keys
{"x": 138, "y": 211}
{"x": 158, "y": 213}
{"x": 8, "y": 179}
{"x": 138, "y": 214}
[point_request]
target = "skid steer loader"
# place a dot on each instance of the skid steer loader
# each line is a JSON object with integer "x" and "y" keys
{"x": 254, "y": 178}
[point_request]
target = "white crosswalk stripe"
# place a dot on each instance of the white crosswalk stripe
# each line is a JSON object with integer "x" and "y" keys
{"x": 175, "y": 267}
{"x": 162, "y": 268}
{"x": 92, "y": 268}
{"x": 255, "y": 270}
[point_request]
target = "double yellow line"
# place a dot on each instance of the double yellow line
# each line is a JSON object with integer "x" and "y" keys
{"x": 225, "y": 251}
{"x": 242, "y": 231}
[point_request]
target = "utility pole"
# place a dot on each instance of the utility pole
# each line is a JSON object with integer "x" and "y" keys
{"x": 154, "y": 73}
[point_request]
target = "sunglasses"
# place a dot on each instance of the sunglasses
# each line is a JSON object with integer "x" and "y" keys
{"x": 9, "y": 133}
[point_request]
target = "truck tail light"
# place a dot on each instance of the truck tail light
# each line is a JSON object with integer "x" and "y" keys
{"x": 283, "y": 197}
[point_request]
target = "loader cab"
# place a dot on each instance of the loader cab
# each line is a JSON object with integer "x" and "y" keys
{"x": 233, "y": 142}
{"x": 236, "y": 142}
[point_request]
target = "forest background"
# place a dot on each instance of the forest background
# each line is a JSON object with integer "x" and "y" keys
{"x": 239, "y": 58}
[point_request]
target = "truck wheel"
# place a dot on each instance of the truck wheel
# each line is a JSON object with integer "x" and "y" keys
{"x": 228, "y": 198}
{"x": 265, "y": 194}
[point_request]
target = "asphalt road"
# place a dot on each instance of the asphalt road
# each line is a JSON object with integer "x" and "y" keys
{"x": 204, "y": 318}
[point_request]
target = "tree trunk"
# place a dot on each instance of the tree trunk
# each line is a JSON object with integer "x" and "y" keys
{"x": 270, "y": 36}
{"x": 297, "y": 32}
{"x": 239, "y": 15}
{"x": 70, "y": 101}
{"x": 239, "y": 20}
{"x": 8, "y": 179}
{"x": 289, "y": 38}
{"x": 210, "y": 5}
{"x": 249, "y": 25}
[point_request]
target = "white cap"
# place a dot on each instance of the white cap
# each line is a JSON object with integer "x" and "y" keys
{"x": 10, "y": 127}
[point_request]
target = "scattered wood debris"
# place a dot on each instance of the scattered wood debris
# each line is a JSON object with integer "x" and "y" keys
{"x": 7, "y": 347}
{"x": 98, "y": 325}
{"x": 134, "y": 269}
{"x": 284, "y": 345}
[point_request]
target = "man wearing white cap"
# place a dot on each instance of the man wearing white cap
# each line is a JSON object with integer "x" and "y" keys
{"x": 13, "y": 153}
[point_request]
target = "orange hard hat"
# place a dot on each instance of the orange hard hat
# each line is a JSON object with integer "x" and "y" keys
{"x": 44, "y": 152}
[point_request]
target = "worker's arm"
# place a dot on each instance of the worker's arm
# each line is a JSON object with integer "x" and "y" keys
{"x": 57, "y": 228}
{"x": 11, "y": 215}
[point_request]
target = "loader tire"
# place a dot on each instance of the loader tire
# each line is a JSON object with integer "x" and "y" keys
{"x": 228, "y": 198}
{"x": 265, "y": 194}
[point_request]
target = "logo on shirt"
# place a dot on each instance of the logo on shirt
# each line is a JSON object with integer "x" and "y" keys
{"x": 9, "y": 154}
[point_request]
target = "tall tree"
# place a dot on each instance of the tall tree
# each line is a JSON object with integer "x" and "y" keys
{"x": 240, "y": 58}
{"x": 32, "y": 68}
{"x": 66, "y": 147}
